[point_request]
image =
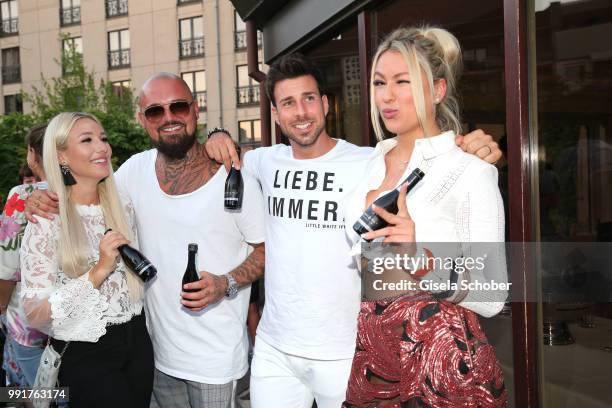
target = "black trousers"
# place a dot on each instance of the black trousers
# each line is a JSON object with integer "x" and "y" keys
{"x": 116, "y": 371}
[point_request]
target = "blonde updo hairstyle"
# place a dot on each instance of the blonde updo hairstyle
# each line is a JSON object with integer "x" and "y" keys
{"x": 435, "y": 52}
{"x": 73, "y": 244}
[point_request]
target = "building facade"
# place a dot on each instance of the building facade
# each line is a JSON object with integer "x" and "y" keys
{"x": 126, "y": 41}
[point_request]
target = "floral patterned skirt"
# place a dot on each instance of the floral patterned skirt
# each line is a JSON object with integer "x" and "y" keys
{"x": 417, "y": 351}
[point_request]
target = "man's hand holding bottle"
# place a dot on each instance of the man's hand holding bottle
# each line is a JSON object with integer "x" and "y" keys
{"x": 221, "y": 148}
{"x": 209, "y": 289}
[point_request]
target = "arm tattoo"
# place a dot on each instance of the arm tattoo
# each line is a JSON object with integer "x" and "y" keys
{"x": 252, "y": 268}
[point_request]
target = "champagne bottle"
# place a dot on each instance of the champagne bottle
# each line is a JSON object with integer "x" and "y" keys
{"x": 233, "y": 188}
{"x": 191, "y": 273}
{"x": 370, "y": 221}
{"x": 136, "y": 261}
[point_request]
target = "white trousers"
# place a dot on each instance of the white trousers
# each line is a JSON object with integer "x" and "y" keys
{"x": 287, "y": 381}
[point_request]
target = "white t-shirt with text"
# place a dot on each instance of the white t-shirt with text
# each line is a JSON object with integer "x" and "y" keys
{"x": 312, "y": 285}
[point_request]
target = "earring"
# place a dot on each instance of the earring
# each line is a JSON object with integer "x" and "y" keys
{"x": 67, "y": 175}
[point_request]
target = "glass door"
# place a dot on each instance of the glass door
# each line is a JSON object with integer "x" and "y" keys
{"x": 574, "y": 115}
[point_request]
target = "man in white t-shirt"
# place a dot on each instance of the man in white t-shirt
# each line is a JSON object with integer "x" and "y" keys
{"x": 306, "y": 337}
{"x": 199, "y": 339}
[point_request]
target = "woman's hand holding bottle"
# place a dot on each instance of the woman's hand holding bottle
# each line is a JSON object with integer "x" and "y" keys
{"x": 401, "y": 227}
{"x": 109, "y": 256}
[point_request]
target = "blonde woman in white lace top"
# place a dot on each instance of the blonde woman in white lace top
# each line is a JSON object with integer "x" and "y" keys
{"x": 74, "y": 285}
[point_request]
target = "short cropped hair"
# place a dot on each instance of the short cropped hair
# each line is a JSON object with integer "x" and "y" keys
{"x": 288, "y": 67}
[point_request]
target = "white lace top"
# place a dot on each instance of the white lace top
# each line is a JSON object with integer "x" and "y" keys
{"x": 67, "y": 308}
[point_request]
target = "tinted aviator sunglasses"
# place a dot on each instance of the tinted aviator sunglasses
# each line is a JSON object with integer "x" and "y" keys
{"x": 155, "y": 112}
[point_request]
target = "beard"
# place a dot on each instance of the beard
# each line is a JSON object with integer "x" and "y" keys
{"x": 303, "y": 140}
{"x": 175, "y": 146}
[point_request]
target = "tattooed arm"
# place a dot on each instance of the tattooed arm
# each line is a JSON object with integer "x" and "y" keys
{"x": 252, "y": 268}
{"x": 211, "y": 288}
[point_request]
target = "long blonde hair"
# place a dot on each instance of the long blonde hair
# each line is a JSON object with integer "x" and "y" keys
{"x": 73, "y": 246}
{"x": 437, "y": 53}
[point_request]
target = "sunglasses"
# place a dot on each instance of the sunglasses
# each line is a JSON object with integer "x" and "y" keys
{"x": 155, "y": 113}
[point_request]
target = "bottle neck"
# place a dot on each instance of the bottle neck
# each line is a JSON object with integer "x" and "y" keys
{"x": 412, "y": 179}
{"x": 191, "y": 260}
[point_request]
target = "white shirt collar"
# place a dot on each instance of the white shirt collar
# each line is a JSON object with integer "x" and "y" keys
{"x": 429, "y": 147}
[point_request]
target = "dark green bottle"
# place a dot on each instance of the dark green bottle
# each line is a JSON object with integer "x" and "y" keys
{"x": 191, "y": 273}
{"x": 370, "y": 221}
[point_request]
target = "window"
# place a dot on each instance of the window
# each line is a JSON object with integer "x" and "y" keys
{"x": 73, "y": 44}
{"x": 179, "y": 2}
{"x": 12, "y": 104}
{"x": 70, "y": 12}
{"x": 240, "y": 34}
{"x": 8, "y": 12}
{"x": 191, "y": 43}
{"x": 249, "y": 131}
{"x": 116, "y": 8}
{"x": 197, "y": 83}
{"x": 11, "y": 68}
{"x": 72, "y": 50}
{"x": 247, "y": 90}
{"x": 119, "y": 87}
{"x": 118, "y": 49}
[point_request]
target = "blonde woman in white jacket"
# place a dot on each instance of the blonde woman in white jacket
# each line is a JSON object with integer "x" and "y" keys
{"x": 420, "y": 348}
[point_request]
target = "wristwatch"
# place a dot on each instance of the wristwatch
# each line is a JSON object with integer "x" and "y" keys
{"x": 232, "y": 286}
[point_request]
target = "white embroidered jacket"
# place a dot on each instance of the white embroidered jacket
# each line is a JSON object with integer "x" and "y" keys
{"x": 458, "y": 201}
{"x": 67, "y": 308}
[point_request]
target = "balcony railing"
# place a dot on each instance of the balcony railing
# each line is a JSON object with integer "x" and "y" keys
{"x": 247, "y": 95}
{"x": 116, "y": 8}
{"x": 119, "y": 59}
{"x": 201, "y": 98}
{"x": 240, "y": 40}
{"x": 193, "y": 47}
{"x": 10, "y": 26}
{"x": 70, "y": 16}
{"x": 11, "y": 74}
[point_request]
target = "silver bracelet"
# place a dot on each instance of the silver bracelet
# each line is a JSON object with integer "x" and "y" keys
{"x": 218, "y": 129}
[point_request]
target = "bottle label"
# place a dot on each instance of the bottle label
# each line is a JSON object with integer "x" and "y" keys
{"x": 141, "y": 265}
{"x": 364, "y": 225}
{"x": 146, "y": 268}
